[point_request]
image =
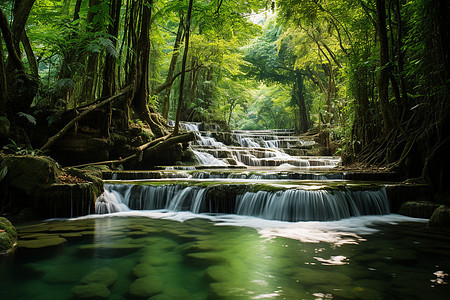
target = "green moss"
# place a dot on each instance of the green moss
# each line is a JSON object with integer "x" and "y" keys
{"x": 105, "y": 276}
{"x": 91, "y": 291}
{"x": 42, "y": 243}
{"x": 8, "y": 236}
{"x": 146, "y": 286}
{"x": 440, "y": 217}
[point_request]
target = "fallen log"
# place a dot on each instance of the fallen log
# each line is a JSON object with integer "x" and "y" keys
{"x": 146, "y": 150}
{"x": 69, "y": 125}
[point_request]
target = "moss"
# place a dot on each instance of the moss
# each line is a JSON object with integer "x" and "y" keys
{"x": 91, "y": 291}
{"x": 47, "y": 242}
{"x": 8, "y": 236}
{"x": 29, "y": 173}
{"x": 105, "y": 276}
{"x": 418, "y": 209}
{"x": 440, "y": 217}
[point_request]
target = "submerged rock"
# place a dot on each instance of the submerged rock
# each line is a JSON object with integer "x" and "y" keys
{"x": 146, "y": 286}
{"x": 91, "y": 291}
{"x": 105, "y": 276}
{"x": 46, "y": 242}
{"x": 8, "y": 236}
{"x": 440, "y": 217}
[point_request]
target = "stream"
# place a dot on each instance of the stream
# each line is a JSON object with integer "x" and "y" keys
{"x": 259, "y": 218}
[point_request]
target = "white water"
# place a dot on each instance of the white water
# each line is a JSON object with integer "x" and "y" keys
{"x": 259, "y": 148}
{"x": 283, "y": 205}
{"x": 346, "y": 231}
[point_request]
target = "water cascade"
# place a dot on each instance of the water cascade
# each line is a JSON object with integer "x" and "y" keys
{"x": 283, "y": 205}
{"x": 257, "y": 148}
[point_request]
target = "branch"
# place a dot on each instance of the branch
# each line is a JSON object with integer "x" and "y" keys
{"x": 69, "y": 125}
{"x": 8, "y": 36}
{"x": 147, "y": 149}
{"x": 168, "y": 83}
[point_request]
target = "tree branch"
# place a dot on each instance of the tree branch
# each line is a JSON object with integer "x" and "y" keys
{"x": 69, "y": 125}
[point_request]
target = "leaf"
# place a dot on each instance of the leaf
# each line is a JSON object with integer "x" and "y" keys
{"x": 30, "y": 118}
{"x": 3, "y": 172}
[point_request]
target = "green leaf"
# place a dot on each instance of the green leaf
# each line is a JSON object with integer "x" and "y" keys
{"x": 3, "y": 172}
{"x": 29, "y": 117}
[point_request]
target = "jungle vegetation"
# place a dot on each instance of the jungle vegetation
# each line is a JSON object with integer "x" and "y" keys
{"x": 372, "y": 73}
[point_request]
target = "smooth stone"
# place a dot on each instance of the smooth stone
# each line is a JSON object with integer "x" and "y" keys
{"x": 143, "y": 270}
{"x": 108, "y": 249}
{"x": 105, "y": 276}
{"x": 440, "y": 218}
{"x": 206, "y": 257}
{"x": 91, "y": 291}
{"x": 30, "y": 236}
{"x": 42, "y": 243}
{"x": 146, "y": 287}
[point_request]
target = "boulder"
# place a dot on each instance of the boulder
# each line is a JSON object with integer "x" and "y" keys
{"x": 91, "y": 291}
{"x": 418, "y": 209}
{"x": 8, "y": 236}
{"x": 147, "y": 286}
{"x": 105, "y": 276}
{"x": 29, "y": 173}
{"x": 440, "y": 217}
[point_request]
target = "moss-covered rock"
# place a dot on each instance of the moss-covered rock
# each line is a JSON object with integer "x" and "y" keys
{"x": 8, "y": 236}
{"x": 440, "y": 217}
{"x": 49, "y": 242}
{"x": 29, "y": 173}
{"x": 145, "y": 287}
{"x": 105, "y": 276}
{"x": 91, "y": 291}
{"x": 418, "y": 209}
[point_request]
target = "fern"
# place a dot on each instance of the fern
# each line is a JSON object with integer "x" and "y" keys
{"x": 29, "y": 117}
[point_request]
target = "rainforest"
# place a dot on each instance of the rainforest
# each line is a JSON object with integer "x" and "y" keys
{"x": 216, "y": 149}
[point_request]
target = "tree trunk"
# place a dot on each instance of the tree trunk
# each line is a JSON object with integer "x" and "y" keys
{"x": 173, "y": 63}
{"x": 183, "y": 68}
{"x": 383, "y": 78}
{"x": 92, "y": 61}
{"x": 30, "y": 55}
{"x": 3, "y": 86}
{"x": 22, "y": 10}
{"x": 300, "y": 100}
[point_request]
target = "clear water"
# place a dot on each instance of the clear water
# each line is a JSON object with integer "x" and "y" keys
{"x": 164, "y": 255}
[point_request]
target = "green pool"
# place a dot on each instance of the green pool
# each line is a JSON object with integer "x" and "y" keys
{"x": 163, "y": 255}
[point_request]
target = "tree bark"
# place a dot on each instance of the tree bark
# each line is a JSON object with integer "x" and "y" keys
{"x": 183, "y": 68}
{"x": 300, "y": 100}
{"x": 13, "y": 57}
{"x": 3, "y": 86}
{"x": 30, "y": 55}
{"x": 173, "y": 63}
{"x": 22, "y": 10}
{"x": 383, "y": 78}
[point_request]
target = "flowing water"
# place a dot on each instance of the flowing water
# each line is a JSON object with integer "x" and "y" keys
{"x": 259, "y": 219}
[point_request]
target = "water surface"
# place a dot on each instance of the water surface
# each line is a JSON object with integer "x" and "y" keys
{"x": 164, "y": 255}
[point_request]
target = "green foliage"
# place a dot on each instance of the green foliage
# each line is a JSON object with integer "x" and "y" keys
{"x": 29, "y": 117}
{"x": 16, "y": 149}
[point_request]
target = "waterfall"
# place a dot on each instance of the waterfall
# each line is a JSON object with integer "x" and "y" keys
{"x": 207, "y": 159}
{"x": 257, "y": 148}
{"x": 286, "y": 205}
{"x": 312, "y": 205}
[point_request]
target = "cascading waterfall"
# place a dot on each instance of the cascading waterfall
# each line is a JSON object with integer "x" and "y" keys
{"x": 285, "y": 205}
{"x": 263, "y": 148}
